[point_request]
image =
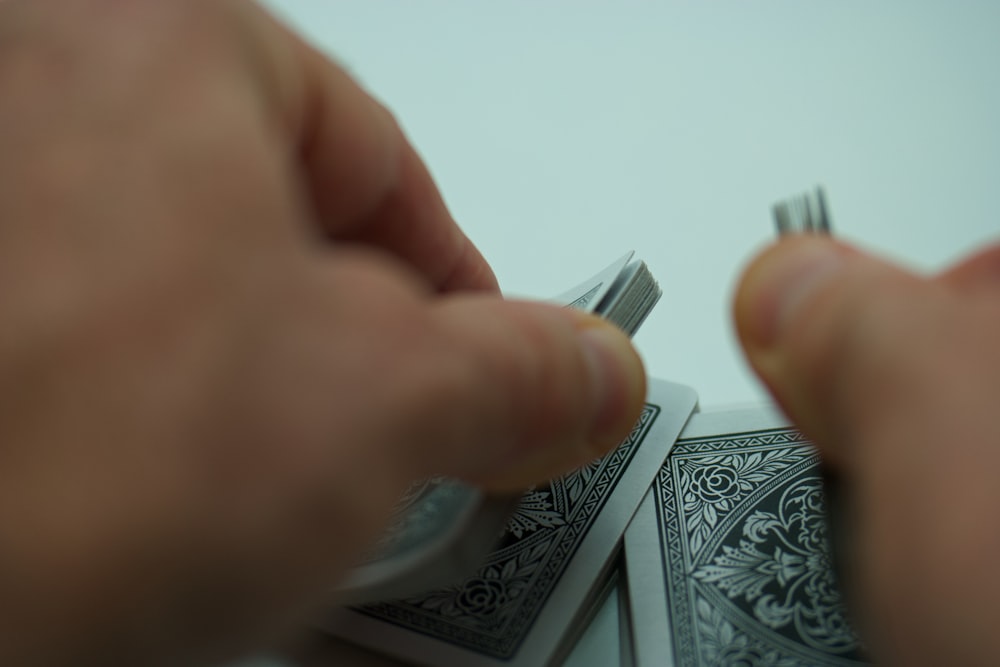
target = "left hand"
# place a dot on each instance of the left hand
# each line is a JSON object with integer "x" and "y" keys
{"x": 237, "y": 320}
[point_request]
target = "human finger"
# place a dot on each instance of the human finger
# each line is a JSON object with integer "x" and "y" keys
{"x": 832, "y": 331}
{"x": 980, "y": 271}
{"x": 365, "y": 181}
{"x": 547, "y": 389}
{"x": 506, "y": 394}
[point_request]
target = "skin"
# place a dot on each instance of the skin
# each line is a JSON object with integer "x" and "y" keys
{"x": 230, "y": 291}
{"x": 896, "y": 377}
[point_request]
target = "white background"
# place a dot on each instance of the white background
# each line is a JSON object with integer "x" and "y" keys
{"x": 565, "y": 132}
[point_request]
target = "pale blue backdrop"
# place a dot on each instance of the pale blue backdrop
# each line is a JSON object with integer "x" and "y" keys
{"x": 564, "y": 132}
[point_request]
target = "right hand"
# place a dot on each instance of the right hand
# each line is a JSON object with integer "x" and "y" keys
{"x": 896, "y": 377}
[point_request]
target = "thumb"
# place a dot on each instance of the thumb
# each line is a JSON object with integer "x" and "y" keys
{"x": 536, "y": 390}
{"x": 838, "y": 336}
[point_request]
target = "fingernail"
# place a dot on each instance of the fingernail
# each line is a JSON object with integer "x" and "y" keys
{"x": 782, "y": 281}
{"x": 618, "y": 380}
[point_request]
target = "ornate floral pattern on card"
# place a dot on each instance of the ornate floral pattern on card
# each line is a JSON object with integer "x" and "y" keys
{"x": 747, "y": 555}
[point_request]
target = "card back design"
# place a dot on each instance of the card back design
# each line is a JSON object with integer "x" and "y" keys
{"x": 746, "y": 556}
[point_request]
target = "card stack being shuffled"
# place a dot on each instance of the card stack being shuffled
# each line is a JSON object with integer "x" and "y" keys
{"x": 702, "y": 539}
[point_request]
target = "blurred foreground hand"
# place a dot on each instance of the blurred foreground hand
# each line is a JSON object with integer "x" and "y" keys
{"x": 237, "y": 320}
{"x": 896, "y": 377}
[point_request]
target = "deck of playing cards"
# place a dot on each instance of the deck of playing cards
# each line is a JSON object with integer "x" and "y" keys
{"x": 706, "y": 535}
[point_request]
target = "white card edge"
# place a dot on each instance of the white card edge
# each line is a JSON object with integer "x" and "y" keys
{"x": 714, "y": 423}
{"x": 647, "y": 587}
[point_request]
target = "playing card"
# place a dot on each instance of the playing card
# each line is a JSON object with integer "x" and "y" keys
{"x": 624, "y": 293}
{"x": 728, "y": 558}
{"x": 556, "y": 551}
